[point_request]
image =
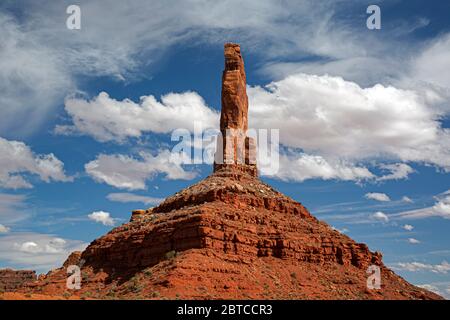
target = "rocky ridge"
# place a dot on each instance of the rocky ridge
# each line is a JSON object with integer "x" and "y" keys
{"x": 14, "y": 279}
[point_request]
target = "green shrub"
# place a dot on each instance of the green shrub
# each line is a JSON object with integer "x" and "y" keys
{"x": 171, "y": 254}
{"x": 148, "y": 272}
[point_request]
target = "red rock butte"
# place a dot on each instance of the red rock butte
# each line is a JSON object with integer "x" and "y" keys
{"x": 229, "y": 236}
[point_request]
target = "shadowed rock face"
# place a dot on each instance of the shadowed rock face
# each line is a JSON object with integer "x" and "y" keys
{"x": 229, "y": 236}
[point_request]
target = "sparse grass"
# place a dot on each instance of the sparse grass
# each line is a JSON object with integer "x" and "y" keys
{"x": 148, "y": 272}
{"x": 84, "y": 276}
{"x": 134, "y": 286}
{"x": 156, "y": 294}
{"x": 171, "y": 254}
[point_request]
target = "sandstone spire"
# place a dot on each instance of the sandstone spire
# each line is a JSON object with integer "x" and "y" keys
{"x": 234, "y": 148}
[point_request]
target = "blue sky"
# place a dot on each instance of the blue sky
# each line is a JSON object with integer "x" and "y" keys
{"x": 86, "y": 117}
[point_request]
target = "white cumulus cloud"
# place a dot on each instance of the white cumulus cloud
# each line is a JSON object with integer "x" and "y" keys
{"x": 380, "y": 216}
{"x": 17, "y": 159}
{"x": 408, "y": 227}
{"x": 377, "y": 196}
{"x": 29, "y": 246}
{"x": 413, "y": 241}
{"x": 333, "y": 118}
{"x": 102, "y": 217}
{"x": 126, "y": 172}
{"x": 107, "y": 119}
{"x": 304, "y": 166}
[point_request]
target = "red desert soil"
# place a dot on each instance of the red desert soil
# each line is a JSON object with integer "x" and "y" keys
{"x": 230, "y": 236}
{"x": 33, "y": 296}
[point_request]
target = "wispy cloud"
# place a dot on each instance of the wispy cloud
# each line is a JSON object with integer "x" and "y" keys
{"x": 283, "y": 37}
{"x": 415, "y": 266}
{"x": 441, "y": 208}
{"x": 13, "y": 208}
{"x": 37, "y": 251}
{"x": 441, "y": 288}
{"x": 41, "y": 42}
{"x": 131, "y": 197}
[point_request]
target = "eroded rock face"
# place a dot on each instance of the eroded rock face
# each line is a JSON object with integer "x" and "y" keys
{"x": 74, "y": 259}
{"x": 234, "y": 92}
{"x": 15, "y": 279}
{"x": 237, "y": 215}
{"x": 234, "y": 147}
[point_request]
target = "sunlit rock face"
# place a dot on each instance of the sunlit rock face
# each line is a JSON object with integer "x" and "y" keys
{"x": 235, "y": 150}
